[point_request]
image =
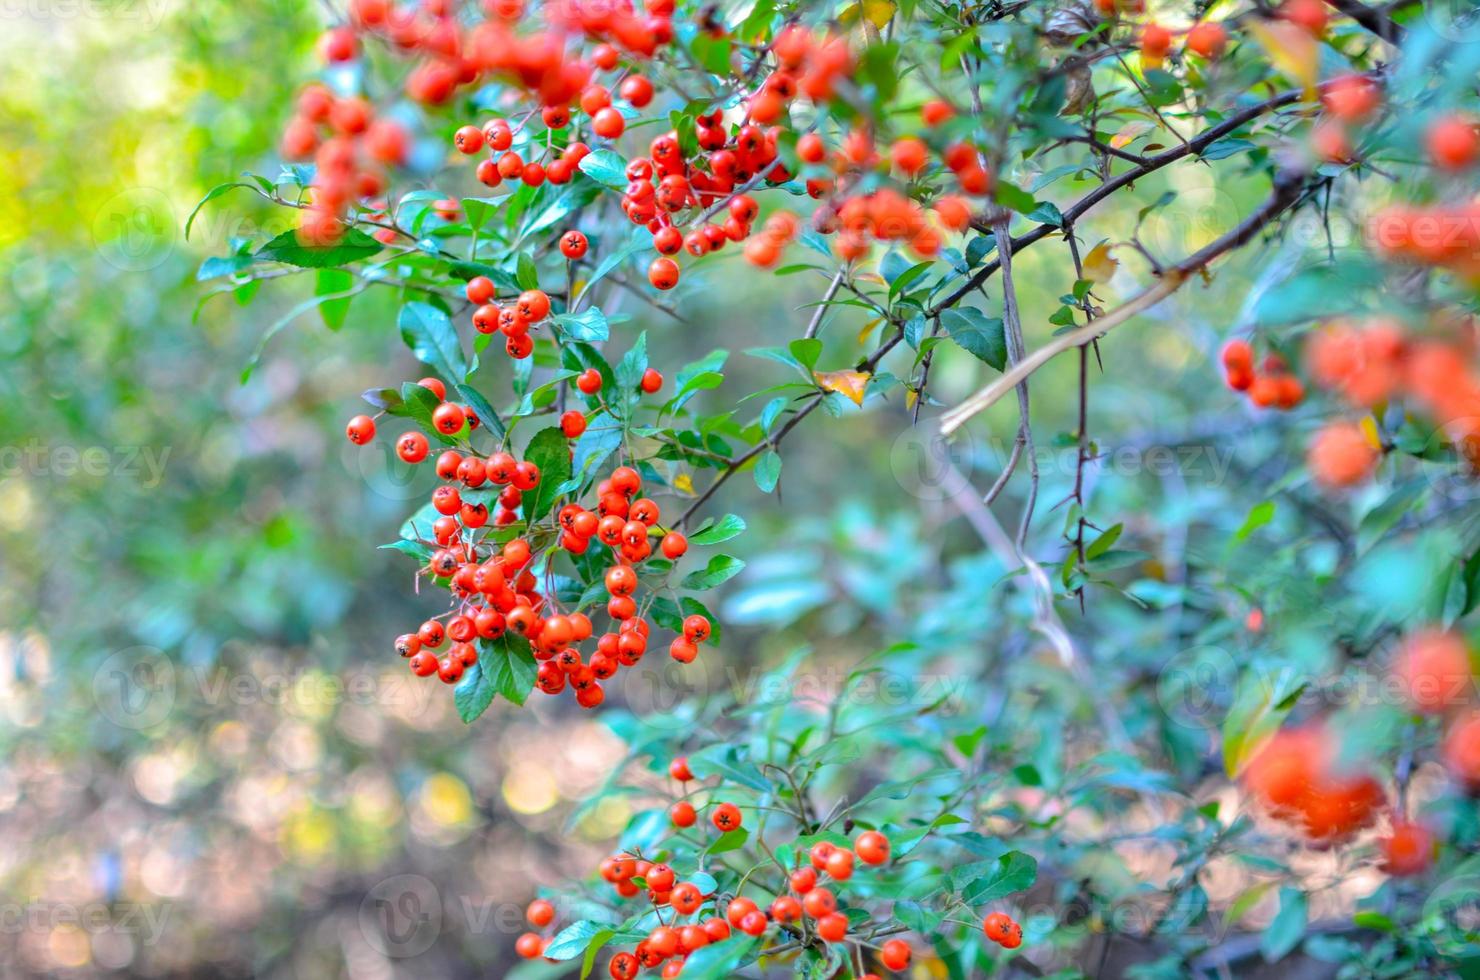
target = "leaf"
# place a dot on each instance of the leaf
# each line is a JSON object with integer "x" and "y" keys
{"x": 1099, "y": 266}
{"x": 433, "y": 339}
{"x": 329, "y": 283}
{"x": 589, "y": 325}
{"x": 605, "y": 167}
{"x": 1103, "y": 543}
{"x": 354, "y": 246}
{"x": 526, "y": 275}
{"x": 768, "y": 470}
{"x": 1130, "y": 132}
{"x": 1259, "y": 707}
{"x": 1012, "y": 872}
{"x": 572, "y": 941}
{"x": 724, "y": 760}
{"x": 979, "y": 334}
{"x": 850, "y": 384}
{"x": 1288, "y": 927}
{"x": 1292, "y": 49}
{"x": 509, "y": 665}
{"x": 724, "y": 529}
{"x": 211, "y": 195}
{"x": 718, "y": 961}
{"x": 486, "y": 412}
{"x": 549, "y": 451}
{"x": 721, "y": 569}
{"x": 1259, "y": 515}
{"x": 474, "y": 693}
{"x": 602, "y": 437}
{"x": 630, "y": 368}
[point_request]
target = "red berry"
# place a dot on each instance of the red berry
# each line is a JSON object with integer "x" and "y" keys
{"x": 573, "y": 245}
{"x": 663, "y": 273}
{"x": 448, "y": 418}
{"x": 589, "y": 381}
{"x": 872, "y": 847}
{"x": 651, "y": 381}
{"x": 572, "y": 423}
{"x": 412, "y": 447}
{"x": 479, "y": 290}
{"x": 529, "y": 946}
{"x": 895, "y": 954}
{"x": 833, "y": 927}
{"x": 435, "y": 386}
{"x": 726, "y": 817}
{"x": 674, "y": 545}
{"x": 679, "y": 769}
{"x": 540, "y": 913}
{"x": 682, "y": 814}
{"x": 468, "y": 139}
{"x": 361, "y": 429}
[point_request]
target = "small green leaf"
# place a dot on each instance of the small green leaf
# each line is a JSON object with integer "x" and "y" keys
{"x": 768, "y": 470}
{"x": 981, "y": 335}
{"x": 589, "y": 325}
{"x": 723, "y": 529}
{"x": 605, "y": 167}
{"x": 721, "y": 568}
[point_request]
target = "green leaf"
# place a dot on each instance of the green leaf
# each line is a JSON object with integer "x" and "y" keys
{"x": 1012, "y": 872}
{"x": 354, "y": 246}
{"x": 551, "y": 453}
{"x": 572, "y": 941}
{"x": 432, "y": 338}
{"x": 1102, "y": 544}
{"x": 474, "y": 693}
{"x": 330, "y": 282}
{"x": 724, "y": 529}
{"x": 721, "y": 568}
{"x": 1288, "y": 927}
{"x": 486, "y": 412}
{"x": 631, "y": 367}
{"x": 605, "y": 167}
{"x": 211, "y": 195}
{"x": 768, "y": 470}
{"x": 978, "y": 333}
{"x": 602, "y": 437}
{"x": 724, "y": 760}
{"x": 589, "y": 325}
{"x": 718, "y": 961}
{"x": 509, "y": 665}
{"x": 526, "y": 275}
{"x": 1259, "y": 707}
{"x": 1259, "y": 515}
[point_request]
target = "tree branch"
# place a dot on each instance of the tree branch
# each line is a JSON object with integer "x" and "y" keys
{"x": 1287, "y": 190}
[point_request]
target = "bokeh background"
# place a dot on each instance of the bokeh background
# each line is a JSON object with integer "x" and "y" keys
{"x": 214, "y": 764}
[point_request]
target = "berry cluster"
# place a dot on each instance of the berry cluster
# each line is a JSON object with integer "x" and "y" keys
{"x": 514, "y": 320}
{"x": 1273, "y": 386}
{"x": 494, "y": 588}
{"x": 1296, "y": 778}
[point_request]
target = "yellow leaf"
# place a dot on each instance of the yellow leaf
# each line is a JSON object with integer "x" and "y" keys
{"x": 871, "y": 277}
{"x": 683, "y": 483}
{"x": 910, "y": 397}
{"x": 868, "y": 328}
{"x": 1369, "y": 429}
{"x": 849, "y": 383}
{"x": 1099, "y": 265}
{"x": 1292, "y": 49}
{"x": 879, "y": 12}
{"x": 1130, "y": 132}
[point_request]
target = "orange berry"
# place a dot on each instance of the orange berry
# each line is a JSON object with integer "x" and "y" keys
{"x": 1341, "y": 456}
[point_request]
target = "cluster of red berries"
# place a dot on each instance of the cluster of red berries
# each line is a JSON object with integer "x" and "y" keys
{"x": 1003, "y": 930}
{"x": 513, "y": 320}
{"x": 808, "y": 897}
{"x": 492, "y": 584}
{"x": 1296, "y": 778}
{"x": 1273, "y": 386}
{"x": 541, "y": 914}
{"x": 1369, "y": 364}
{"x": 348, "y": 145}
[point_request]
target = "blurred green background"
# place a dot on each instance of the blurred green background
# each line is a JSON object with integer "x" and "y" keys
{"x": 209, "y": 745}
